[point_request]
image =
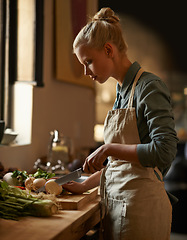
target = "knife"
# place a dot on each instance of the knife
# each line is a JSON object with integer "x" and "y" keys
{"x": 69, "y": 177}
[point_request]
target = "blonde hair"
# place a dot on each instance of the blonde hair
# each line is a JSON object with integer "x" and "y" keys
{"x": 103, "y": 27}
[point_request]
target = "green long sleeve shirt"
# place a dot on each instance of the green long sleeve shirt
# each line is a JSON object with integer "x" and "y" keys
{"x": 155, "y": 119}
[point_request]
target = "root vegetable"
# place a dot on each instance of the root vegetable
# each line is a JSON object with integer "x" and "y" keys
{"x": 52, "y": 187}
{"x": 29, "y": 183}
{"x": 15, "y": 203}
{"x": 10, "y": 180}
{"x": 38, "y": 183}
{"x": 43, "y": 208}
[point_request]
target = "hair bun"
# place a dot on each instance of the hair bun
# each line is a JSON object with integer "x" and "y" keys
{"x": 106, "y": 14}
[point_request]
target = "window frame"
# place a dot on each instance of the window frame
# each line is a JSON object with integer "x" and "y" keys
{"x": 12, "y": 21}
{"x": 2, "y": 55}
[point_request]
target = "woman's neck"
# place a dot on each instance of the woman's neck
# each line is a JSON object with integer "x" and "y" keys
{"x": 122, "y": 65}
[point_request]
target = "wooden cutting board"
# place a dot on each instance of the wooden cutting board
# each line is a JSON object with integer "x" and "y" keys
{"x": 68, "y": 201}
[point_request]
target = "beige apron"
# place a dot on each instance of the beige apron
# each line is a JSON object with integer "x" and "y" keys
{"x": 135, "y": 201}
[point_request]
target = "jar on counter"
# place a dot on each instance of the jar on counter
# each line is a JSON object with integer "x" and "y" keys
{"x": 59, "y": 151}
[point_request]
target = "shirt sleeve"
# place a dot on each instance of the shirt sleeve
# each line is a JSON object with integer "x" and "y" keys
{"x": 154, "y": 107}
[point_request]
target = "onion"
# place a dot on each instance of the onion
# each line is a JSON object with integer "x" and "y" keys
{"x": 52, "y": 187}
{"x": 38, "y": 183}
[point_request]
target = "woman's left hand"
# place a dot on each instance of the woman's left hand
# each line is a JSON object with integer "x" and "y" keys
{"x": 94, "y": 162}
{"x": 74, "y": 187}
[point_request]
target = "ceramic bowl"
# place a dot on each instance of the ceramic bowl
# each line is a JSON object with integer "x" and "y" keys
{"x": 8, "y": 137}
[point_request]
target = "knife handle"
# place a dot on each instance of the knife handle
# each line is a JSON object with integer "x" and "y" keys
{"x": 104, "y": 164}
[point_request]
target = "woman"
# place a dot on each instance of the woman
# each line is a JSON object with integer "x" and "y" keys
{"x": 140, "y": 140}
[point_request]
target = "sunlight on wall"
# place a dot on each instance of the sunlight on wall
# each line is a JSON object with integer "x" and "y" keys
{"x": 22, "y": 112}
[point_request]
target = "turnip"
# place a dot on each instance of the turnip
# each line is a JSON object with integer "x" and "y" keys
{"x": 10, "y": 180}
{"x": 52, "y": 187}
{"x": 29, "y": 183}
{"x": 38, "y": 183}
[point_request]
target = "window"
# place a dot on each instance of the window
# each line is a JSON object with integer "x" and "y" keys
{"x": 4, "y": 59}
{"x": 30, "y": 41}
{"x": 2, "y": 55}
{"x": 21, "y": 57}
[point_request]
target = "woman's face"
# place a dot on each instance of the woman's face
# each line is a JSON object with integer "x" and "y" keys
{"x": 97, "y": 63}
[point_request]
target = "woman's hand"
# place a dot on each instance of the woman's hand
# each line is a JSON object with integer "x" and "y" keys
{"x": 79, "y": 188}
{"x": 94, "y": 162}
{"x": 74, "y": 187}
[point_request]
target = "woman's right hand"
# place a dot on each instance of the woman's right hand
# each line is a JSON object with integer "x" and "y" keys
{"x": 95, "y": 161}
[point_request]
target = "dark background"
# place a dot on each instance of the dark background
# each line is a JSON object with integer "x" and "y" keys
{"x": 167, "y": 18}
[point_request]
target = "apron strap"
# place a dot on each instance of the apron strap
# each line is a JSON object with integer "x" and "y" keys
{"x": 138, "y": 75}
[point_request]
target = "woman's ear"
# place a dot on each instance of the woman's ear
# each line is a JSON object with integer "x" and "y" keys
{"x": 109, "y": 50}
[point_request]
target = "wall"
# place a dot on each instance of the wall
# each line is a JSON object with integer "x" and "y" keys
{"x": 147, "y": 47}
{"x": 66, "y": 107}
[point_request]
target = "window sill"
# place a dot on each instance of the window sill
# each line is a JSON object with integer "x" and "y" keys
{"x": 14, "y": 145}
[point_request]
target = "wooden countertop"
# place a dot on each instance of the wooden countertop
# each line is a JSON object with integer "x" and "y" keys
{"x": 67, "y": 225}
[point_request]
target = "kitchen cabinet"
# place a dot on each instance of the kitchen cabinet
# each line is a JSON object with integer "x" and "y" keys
{"x": 67, "y": 224}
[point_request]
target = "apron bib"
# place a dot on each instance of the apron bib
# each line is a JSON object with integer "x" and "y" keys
{"x": 134, "y": 200}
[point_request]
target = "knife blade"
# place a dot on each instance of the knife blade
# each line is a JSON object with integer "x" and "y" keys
{"x": 69, "y": 177}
